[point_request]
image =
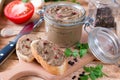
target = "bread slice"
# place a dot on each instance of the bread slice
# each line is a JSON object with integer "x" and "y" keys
{"x": 49, "y": 56}
{"x": 23, "y": 49}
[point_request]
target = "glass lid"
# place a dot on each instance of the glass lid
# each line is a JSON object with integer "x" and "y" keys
{"x": 104, "y": 44}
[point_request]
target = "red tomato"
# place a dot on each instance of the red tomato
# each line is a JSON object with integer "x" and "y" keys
{"x": 18, "y": 11}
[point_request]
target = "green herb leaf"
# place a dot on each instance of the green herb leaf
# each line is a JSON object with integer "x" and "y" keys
{"x": 46, "y": 0}
{"x": 92, "y": 76}
{"x": 77, "y": 2}
{"x": 87, "y": 69}
{"x": 73, "y": 1}
{"x": 82, "y": 52}
{"x": 84, "y": 46}
{"x": 85, "y": 77}
{"x": 68, "y": 52}
{"x": 81, "y": 46}
{"x": 25, "y": 1}
{"x": 94, "y": 72}
{"x": 78, "y": 45}
{"x": 75, "y": 53}
{"x": 99, "y": 66}
{"x": 98, "y": 71}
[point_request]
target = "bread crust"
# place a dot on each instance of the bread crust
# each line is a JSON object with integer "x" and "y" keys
{"x": 22, "y": 53}
{"x": 56, "y": 70}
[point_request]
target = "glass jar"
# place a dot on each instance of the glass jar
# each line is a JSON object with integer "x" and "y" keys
{"x": 104, "y": 38}
{"x": 103, "y": 43}
{"x": 105, "y": 13}
{"x": 63, "y": 23}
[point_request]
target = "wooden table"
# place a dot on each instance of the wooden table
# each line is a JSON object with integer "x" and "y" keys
{"x": 112, "y": 71}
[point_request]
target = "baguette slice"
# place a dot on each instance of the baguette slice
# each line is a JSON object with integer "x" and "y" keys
{"x": 49, "y": 56}
{"x": 23, "y": 49}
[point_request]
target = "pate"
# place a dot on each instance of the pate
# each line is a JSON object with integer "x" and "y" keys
{"x": 63, "y": 23}
{"x": 50, "y": 53}
{"x": 63, "y": 13}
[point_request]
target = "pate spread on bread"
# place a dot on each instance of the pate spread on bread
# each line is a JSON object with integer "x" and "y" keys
{"x": 23, "y": 49}
{"x": 50, "y": 57}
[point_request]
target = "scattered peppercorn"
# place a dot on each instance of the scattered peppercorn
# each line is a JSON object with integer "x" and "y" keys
{"x": 82, "y": 74}
{"x": 73, "y": 77}
{"x": 79, "y": 79}
{"x": 75, "y": 59}
{"x": 71, "y": 63}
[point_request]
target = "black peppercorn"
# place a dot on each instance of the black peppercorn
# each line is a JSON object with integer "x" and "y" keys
{"x": 73, "y": 77}
{"x": 79, "y": 79}
{"x": 82, "y": 74}
{"x": 75, "y": 59}
{"x": 71, "y": 63}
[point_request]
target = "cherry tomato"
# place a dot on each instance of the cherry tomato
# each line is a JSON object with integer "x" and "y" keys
{"x": 18, "y": 11}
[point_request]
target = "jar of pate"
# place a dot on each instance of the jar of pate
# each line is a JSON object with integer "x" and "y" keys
{"x": 63, "y": 23}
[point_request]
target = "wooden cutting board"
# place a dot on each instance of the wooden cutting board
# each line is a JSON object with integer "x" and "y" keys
{"x": 36, "y": 69}
{"x": 14, "y": 68}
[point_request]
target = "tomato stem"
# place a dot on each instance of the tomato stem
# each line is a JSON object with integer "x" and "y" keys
{"x": 25, "y": 1}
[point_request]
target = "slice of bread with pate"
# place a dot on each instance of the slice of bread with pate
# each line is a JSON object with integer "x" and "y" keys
{"x": 51, "y": 58}
{"x": 23, "y": 49}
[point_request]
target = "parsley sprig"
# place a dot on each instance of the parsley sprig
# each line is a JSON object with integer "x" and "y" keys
{"x": 80, "y": 50}
{"x": 93, "y": 72}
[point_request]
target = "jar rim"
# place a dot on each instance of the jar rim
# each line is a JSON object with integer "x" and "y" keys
{"x": 71, "y": 22}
